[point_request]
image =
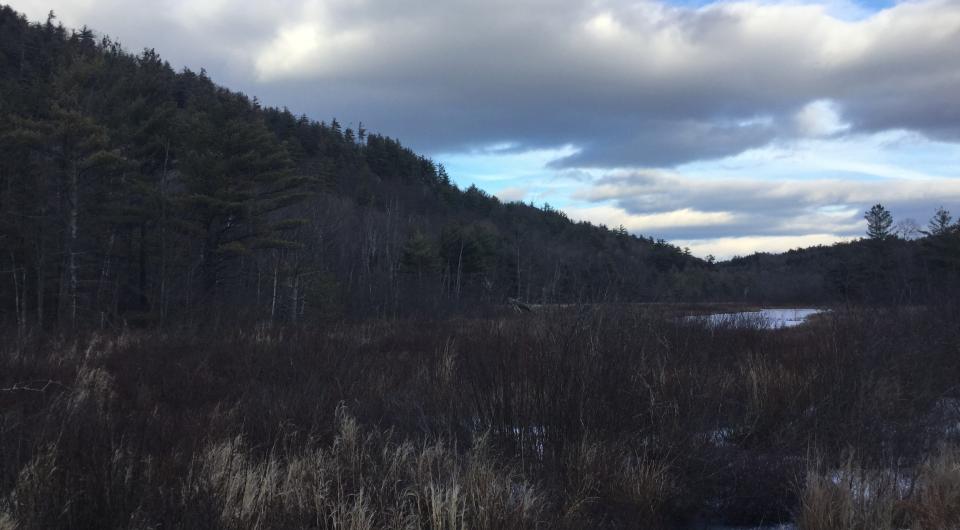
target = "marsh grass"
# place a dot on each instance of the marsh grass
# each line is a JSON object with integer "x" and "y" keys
{"x": 589, "y": 418}
{"x": 925, "y": 496}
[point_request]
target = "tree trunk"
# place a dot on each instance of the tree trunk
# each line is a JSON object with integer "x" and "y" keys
{"x": 163, "y": 232}
{"x": 518, "y": 267}
{"x": 294, "y": 282}
{"x": 142, "y": 279}
{"x": 276, "y": 277}
{"x": 19, "y": 291}
{"x": 73, "y": 286}
{"x": 459, "y": 267}
{"x": 40, "y": 283}
{"x": 259, "y": 282}
{"x": 105, "y": 275}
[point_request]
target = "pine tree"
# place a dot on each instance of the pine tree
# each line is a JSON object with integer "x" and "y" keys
{"x": 879, "y": 221}
{"x": 442, "y": 175}
{"x": 82, "y": 150}
{"x": 419, "y": 255}
{"x": 235, "y": 178}
{"x": 941, "y": 223}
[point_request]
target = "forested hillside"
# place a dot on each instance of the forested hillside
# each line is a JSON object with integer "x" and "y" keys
{"x": 884, "y": 269}
{"x": 132, "y": 192}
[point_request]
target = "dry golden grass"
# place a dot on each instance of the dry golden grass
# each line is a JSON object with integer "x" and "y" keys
{"x": 7, "y": 522}
{"x": 935, "y": 502}
{"x": 923, "y": 498}
{"x": 850, "y": 498}
{"x": 363, "y": 480}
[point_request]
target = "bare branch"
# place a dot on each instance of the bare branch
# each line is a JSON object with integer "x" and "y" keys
{"x": 33, "y": 386}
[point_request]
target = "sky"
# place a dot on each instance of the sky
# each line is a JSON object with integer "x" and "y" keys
{"x": 727, "y": 127}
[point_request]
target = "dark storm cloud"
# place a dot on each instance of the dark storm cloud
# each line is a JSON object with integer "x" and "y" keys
{"x": 668, "y": 143}
{"x": 630, "y": 83}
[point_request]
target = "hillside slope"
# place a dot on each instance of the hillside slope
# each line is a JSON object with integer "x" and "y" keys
{"x": 130, "y": 190}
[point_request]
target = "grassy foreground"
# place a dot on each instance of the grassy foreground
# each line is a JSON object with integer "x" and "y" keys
{"x": 623, "y": 418}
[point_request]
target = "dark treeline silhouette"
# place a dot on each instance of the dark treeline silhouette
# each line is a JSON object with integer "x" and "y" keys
{"x": 131, "y": 191}
{"x": 885, "y": 268}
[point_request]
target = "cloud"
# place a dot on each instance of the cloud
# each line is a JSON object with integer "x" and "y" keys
{"x": 631, "y": 84}
{"x": 614, "y": 216}
{"x": 671, "y": 143}
{"x": 512, "y": 194}
{"x": 679, "y": 207}
{"x": 728, "y": 247}
{"x": 819, "y": 118}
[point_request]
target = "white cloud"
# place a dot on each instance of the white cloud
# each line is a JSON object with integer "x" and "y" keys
{"x": 820, "y": 118}
{"x": 512, "y": 194}
{"x": 604, "y": 26}
{"x": 728, "y": 247}
{"x": 307, "y": 47}
{"x": 779, "y": 194}
{"x": 646, "y": 223}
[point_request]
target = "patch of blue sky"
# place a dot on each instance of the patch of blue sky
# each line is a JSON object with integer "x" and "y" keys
{"x": 841, "y": 9}
{"x": 855, "y": 9}
{"x": 888, "y": 155}
{"x": 875, "y": 5}
{"x": 502, "y": 167}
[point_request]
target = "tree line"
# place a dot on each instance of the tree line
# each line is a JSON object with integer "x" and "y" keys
{"x": 131, "y": 192}
{"x": 898, "y": 262}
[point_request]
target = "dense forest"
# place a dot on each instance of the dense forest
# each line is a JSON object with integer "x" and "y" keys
{"x": 131, "y": 191}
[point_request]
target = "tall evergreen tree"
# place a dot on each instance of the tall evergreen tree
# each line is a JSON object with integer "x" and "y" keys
{"x": 419, "y": 255}
{"x": 941, "y": 223}
{"x": 879, "y": 221}
{"x": 235, "y": 176}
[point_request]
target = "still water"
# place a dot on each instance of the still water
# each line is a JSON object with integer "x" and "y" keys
{"x": 764, "y": 318}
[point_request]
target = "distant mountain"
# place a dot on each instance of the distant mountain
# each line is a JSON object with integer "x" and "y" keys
{"x": 131, "y": 191}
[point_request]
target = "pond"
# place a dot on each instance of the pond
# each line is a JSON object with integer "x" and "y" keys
{"x": 764, "y": 318}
